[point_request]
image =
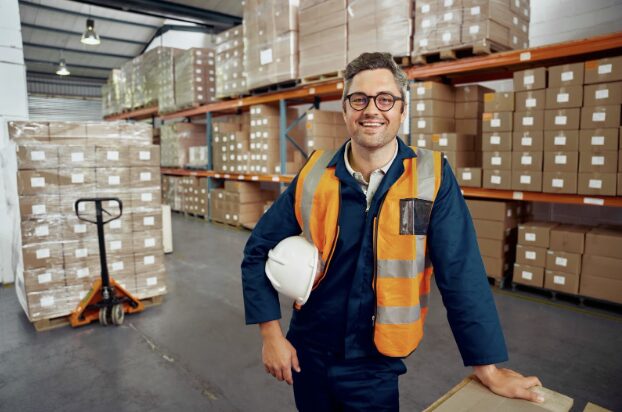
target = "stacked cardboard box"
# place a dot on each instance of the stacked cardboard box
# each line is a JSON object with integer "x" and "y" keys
{"x": 60, "y": 162}
{"x": 529, "y": 124}
{"x": 165, "y": 78}
{"x": 468, "y": 112}
{"x": 244, "y": 202}
{"x": 230, "y": 144}
{"x": 531, "y": 254}
{"x": 380, "y": 25}
{"x": 563, "y": 259}
{"x": 323, "y": 37}
{"x": 270, "y": 41}
{"x": 324, "y": 130}
{"x": 495, "y": 224}
{"x": 602, "y": 265}
{"x": 600, "y": 128}
{"x": 230, "y": 73}
{"x": 497, "y": 126}
{"x": 176, "y": 141}
{"x": 195, "y": 77}
{"x": 437, "y": 26}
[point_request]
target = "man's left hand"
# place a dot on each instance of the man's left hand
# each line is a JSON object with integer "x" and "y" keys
{"x": 508, "y": 383}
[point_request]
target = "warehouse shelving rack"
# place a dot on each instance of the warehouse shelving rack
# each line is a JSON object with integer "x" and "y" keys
{"x": 468, "y": 70}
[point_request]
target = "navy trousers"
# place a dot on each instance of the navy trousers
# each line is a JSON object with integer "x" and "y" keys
{"x": 329, "y": 383}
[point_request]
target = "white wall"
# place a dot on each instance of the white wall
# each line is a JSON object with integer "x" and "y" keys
{"x": 182, "y": 39}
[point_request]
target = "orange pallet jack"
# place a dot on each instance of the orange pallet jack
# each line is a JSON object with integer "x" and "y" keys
{"x": 106, "y": 300}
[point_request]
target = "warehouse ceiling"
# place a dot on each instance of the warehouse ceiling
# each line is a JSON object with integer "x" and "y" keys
{"x": 54, "y": 27}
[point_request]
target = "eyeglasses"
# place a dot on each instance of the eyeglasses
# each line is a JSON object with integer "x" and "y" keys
{"x": 383, "y": 101}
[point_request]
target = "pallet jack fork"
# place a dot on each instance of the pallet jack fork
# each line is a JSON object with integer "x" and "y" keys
{"x": 106, "y": 301}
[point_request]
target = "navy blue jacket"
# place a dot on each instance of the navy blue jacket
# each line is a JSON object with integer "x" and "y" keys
{"x": 337, "y": 318}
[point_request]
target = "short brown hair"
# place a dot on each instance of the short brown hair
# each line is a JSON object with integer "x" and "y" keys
{"x": 374, "y": 61}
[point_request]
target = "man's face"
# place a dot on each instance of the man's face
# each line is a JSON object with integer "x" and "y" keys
{"x": 370, "y": 127}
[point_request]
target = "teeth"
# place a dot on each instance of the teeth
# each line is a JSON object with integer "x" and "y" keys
{"x": 372, "y": 124}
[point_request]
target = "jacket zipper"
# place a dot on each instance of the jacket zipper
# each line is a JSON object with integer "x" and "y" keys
{"x": 375, "y": 250}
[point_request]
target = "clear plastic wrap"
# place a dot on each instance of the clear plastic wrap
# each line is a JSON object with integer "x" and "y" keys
{"x": 49, "y": 303}
{"x": 195, "y": 77}
{"x": 78, "y": 250}
{"x": 230, "y": 72}
{"x": 111, "y": 180}
{"x": 112, "y": 156}
{"x": 29, "y": 132}
{"x": 136, "y": 134}
{"x": 37, "y": 156}
{"x": 165, "y": 78}
{"x": 76, "y": 156}
{"x": 175, "y": 140}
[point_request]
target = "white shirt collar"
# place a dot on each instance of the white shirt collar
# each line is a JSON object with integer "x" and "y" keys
{"x": 384, "y": 169}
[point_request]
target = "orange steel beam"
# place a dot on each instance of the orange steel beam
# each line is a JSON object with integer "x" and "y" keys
{"x": 614, "y": 201}
{"x": 139, "y": 114}
{"x": 171, "y": 171}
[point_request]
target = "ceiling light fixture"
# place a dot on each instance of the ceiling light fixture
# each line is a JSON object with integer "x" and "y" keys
{"x": 62, "y": 68}
{"x": 89, "y": 36}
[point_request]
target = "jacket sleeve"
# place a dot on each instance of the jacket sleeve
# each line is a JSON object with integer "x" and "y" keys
{"x": 261, "y": 302}
{"x": 461, "y": 277}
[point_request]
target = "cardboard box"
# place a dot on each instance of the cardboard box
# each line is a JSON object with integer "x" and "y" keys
{"x": 562, "y": 119}
{"x": 564, "y": 97}
{"x": 453, "y": 142}
{"x": 603, "y": 266}
{"x": 535, "y": 233}
{"x": 601, "y": 288}
{"x": 145, "y": 177}
{"x": 148, "y": 262}
{"x": 530, "y": 100}
{"x": 559, "y": 182}
{"x": 605, "y": 161}
{"x": 566, "y": 75}
{"x": 495, "y": 267}
{"x": 568, "y": 238}
{"x": 497, "y": 179}
{"x": 603, "y": 94}
{"x": 121, "y": 266}
{"x": 531, "y": 255}
{"x": 36, "y": 156}
{"x": 41, "y": 230}
{"x": 497, "y": 122}
{"x": 67, "y": 130}
{"x": 603, "y": 70}
{"x": 528, "y": 161}
{"x": 36, "y": 182}
{"x": 497, "y": 160}
{"x": 530, "y": 79}
{"x": 469, "y": 176}
{"x": 530, "y": 181}
{"x": 603, "y": 184}
{"x": 561, "y": 282}
{"x": 600, "y": 117}
{"x": 493, "y": 248}
{"x": 432, "y": 124}
{"x": 561, "y": 161}
{"x": 433, "y": 90}
{"x": 118, "y": 156}
{"x": 471, "y": 93}
{"x": 598, "y": 139}
{"x": 87, "y": 271}
{"x": 472, "y": 126}
{"x": 149, "y": 240}
{"x": 620, "y": 182}
{"x": 497, "y": 142}
{"x": 499, "y": 102}
{"x": 604, "y": 241}
{"x": 492, "y": 210}
{"x": 76, "y": 180}
{"x": 146, "y": 220}
{"x": 113, "y": 179}
{"x": 422, "y": 140}
{"x": 41, "y": 255}
{"x": 151, "y": 284}
{"x": 561, "y": 140}
{"x": 528, "y": 275}
{"x": 529, "y": 120}
{"x": 78, "y": 250}
{"x": 144, "y": 155}
{"x": 74, "y": 228}
{"x": 75, "y": 156}
{"x": 119, "y": 244}
{"x": 563, "y": 262}
{"x": 39, "y": 206}
{"x": 431, "y": 108}
{"x": 28, "y": 131}
{"x": 502, "y": 230}
{"x": 468, "y": 110}
{"x": 527, "y": 141}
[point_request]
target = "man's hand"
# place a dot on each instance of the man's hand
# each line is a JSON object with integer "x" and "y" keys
{"x": 506, "y": 382}
{"x": 278, "y": 355}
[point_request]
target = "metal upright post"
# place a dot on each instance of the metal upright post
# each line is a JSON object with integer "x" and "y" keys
{"x": 283, "y": 135}
{"x": 210, "y": 165}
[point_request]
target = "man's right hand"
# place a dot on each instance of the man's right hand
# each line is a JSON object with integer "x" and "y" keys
{"x": 278, "y": 355}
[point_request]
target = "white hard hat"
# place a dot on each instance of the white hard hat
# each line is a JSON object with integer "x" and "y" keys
{"x": 292, "y": 267}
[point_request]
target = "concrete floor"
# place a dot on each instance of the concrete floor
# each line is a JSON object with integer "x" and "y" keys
{"x": 194, "y": 353}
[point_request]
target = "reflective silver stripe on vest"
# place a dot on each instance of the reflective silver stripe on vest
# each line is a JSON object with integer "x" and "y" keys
{"x": 425, "y": 174}
{"x": 397, "y": 315}
{"x": 391, "y": 268}
{"x": 308, "y": 190}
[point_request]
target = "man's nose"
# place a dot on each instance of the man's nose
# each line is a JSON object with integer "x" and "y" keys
{"x": 371, "y": 107}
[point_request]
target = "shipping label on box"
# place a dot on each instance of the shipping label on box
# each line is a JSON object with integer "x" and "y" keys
{"x": 497, "y": 179}
{"x": 561, "y": 140}
{"x": 602, "y": 94}
{"x": 597, "y": 117}
{"x": 497, "y": 122}
{"x": 529, "y": 120}
{"x": 566, "y": 75}
{"x": 530, "y": 161}
{"x": 561, "y": 161}
{"x": 527, "y": 141}
{"x": 600, "y": 184}
{"x": 531, "y": 255}
{"x": 562, "y": 119}
{"x": 598, "y": 139}
{"x": 535, "y": 233}
{"x": 564, "y": 97}
{"x": 499, "y": 102}
{"x": 559, "y": 182}
{"x": 36, "y": 182}
{"x": 603, "y": 70}
{"x": 528, "y": 275}
{"x": 561, "y": 282}
{"x": 605, "y": 161}
{"x": 530, "y": 100}
{"x": 524, "y": 180}
{"x": 530, "y": 79}
{"x": 563, "y": 262}
{"x": 469, "y": 176}
{"x": 497, "y": 141}
{"x": 36, "y": 156}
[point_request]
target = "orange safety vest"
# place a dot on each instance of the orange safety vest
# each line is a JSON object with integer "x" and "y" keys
{"x": 402, "y": 269}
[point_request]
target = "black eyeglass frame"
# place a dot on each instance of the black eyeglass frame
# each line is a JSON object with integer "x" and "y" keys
{"x": 370, "y": 98}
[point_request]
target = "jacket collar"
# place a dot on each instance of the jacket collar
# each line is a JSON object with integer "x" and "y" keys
{"x": 403, "y": 152}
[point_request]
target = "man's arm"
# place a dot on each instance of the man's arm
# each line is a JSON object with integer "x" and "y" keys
{"x": 461, "y": 278}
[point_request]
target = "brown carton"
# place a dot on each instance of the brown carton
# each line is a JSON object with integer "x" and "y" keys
{"x": 145, "y": 177}
{"x": 113, "y": 179}
{"x": 41, "y": 230}
{"x": 119, "y": 244}
{"x": 562, "y": 119}
{"x": 432, "y": 124}
{"x": 603, "y": 184}
{"x": 603, "y": 242}
{"x": 566, "y": 238}
{"x": 528, "y": 275}
{"x": 561, "y": 140}
{"x": 598, "y": 139}
{"x": 142, "y": 221}
{"x": 564, "y": 97}
{"x": 497, "y": 160}
{"x": 529, "y": 161}
{"x": 149, "y": 240}
{"x": 148, "y": 262}
{"x": 78, "y": 250}
{"x": 561, "y": 282}
{"x": 605, "y": 161}
{"x": 36, "y": 182}
{"x": 74, "y": 228}
{"x": 118, "y": 156}
{"x": 40, "y": 255}
{"x": 471, "y": 93}
{"x": 598, "y": 117}
{"x": 497, "y": 141}
{"x": 563, "y": 262}
{"x": 601, "y": 288}
{"x": 76, "y": 180}
{"x": 528, "y": 121}
{"x": 472, "y": 126}
{"x": 453, "y": 142}
{"x": 85, "y": 271}
{"x": 602, "y": 94}
{"x": 469, "y": 176}
{"x": 530, "y": 100}
{"x": 495, "y": 267}
{"x": 67, "y": 130}
{"x": 603, "y": 70}
{"x": 422, "y": 140}
{"x": 497, "y": 122}
{"x": 493, "y": 248}
{"x": 559, "y": 182}
{"x": 41, "y": 279}
{"x": 430, "y": 108}
{"x": 497, "y": 179}
{"x": 499, "y": 102}
{"x": 530, "y": 79}
{"x": 531, "y": 255}
{"x": 468, "y": 110}
{"x": 492, "y": 210}
{"x": 535, "y": 233}
{"x": 607, "y": 267}
{"x": 76, "y": 156}
{"x": 27, "y": 131}
{"x": 36, "y": 156}
{"x": 566, "y": 75}
{"x": 433, "y": 90}
{"x": 528, "y": 141}
{"x": 561, "y": 161}
{"x": 144, "y": 155}
{"x": 620, "y": 181}
{"x": 530, "y": 181}
{"x": 121, "y": 266}
{"x": 33, "y": 207}
{"x": 496, "y": 229}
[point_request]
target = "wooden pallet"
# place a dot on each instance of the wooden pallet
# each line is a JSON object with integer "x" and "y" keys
{"x": 277, "y": 87}
{"x": 44, "y": 325}
{"x": 459, "y": 52}
{"x": 498, "y": 283}
{"x": 403, "y": 61}
{"x": 580, "y": 300}
{"x": 323, "y": 77}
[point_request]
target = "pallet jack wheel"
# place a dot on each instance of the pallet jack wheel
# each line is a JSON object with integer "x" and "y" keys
{"x": 118, "y": 314}
{"x": 103, "y": 318}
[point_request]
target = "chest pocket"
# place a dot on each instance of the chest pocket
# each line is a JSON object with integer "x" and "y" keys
{"x": 415, "y": 216}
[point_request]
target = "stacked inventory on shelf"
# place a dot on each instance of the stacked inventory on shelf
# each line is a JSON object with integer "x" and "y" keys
{"x": 270, "y": 42}
{"x": 534, "y": 240}
{"x": 230, "y": 73}
{"x": 165, "y": 77}
{"x": 383, "y": 26}
{"x": 60, "y": 162}
{"x": 183, "y": 144}
{"x": 239, "y": 203}
{"x": 325, "y": 130}
{"x": 602, "y": 265}
{"x": 497, "y": 126}
{"x": 483, "y": 25}
{"x": 195, "y": 77}
{"x": 323, "y": 37}
{"x": 231, "y": 143}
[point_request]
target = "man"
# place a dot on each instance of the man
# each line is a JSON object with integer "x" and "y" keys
{"x": 379, "y": 213}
